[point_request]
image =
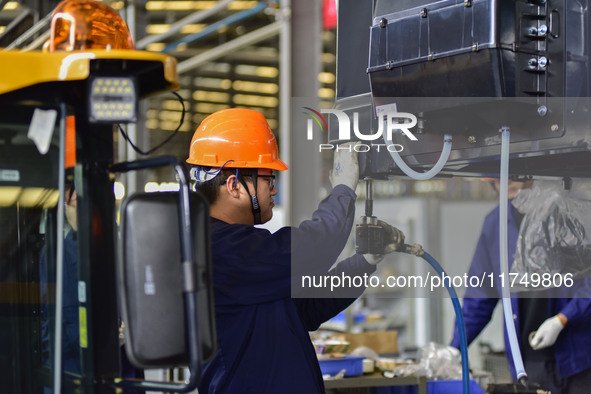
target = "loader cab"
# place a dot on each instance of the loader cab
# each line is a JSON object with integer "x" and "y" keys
{"x": 65, "y": 290}
{"x": 29, "y": 195}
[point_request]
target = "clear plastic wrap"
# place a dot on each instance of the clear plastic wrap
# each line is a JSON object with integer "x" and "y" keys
{"x": 555, "y": 234}
{"x": 436, "y": 362}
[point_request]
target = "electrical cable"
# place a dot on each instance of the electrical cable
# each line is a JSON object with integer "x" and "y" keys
{"x": 422, "y": 176}
{"x": 160, "y": 145}
{"x": 503, "y": 250}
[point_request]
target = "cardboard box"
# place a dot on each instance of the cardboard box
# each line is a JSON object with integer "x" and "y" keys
{"x": 383, "y": 342}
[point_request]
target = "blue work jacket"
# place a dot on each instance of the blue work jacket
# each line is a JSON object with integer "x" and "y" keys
{"x": 572, "y": 349}
{"x": 262, "y": 330}
{"x": 70, "y": 320}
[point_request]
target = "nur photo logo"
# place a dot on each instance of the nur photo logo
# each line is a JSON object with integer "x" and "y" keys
{"x": 389, "y": 122}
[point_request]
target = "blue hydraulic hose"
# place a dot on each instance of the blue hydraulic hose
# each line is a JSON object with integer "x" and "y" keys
{"x": 460, "y": 321}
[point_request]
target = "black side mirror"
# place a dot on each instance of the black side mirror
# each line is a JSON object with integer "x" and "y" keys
{"x": 165, "y": 280}
{"x": 152, "y": 280}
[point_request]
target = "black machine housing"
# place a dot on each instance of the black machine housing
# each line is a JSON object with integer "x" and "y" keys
{"x": 469, "y": 68}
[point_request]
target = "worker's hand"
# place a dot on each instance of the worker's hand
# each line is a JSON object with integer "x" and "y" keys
{"x": 345, "y": 170}
{"x": 546, "y": 335}
{"x": 394, "y": 237}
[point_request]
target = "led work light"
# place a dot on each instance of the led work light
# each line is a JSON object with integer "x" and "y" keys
{"x": 112, "y": 100}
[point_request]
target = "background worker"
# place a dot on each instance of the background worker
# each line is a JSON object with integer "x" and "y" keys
{"x": 71, "y": 356}
{"x": 70, "y": 321}
{"x": 263, "y": 340}
{"x": 554, "y": 333}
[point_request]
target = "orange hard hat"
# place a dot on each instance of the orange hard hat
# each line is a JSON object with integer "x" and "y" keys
{"x": 87, "y": 24}
{"x": 235, "y": 138}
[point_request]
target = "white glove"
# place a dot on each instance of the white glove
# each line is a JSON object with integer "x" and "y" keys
{"x": 546, "y": 335}
{"x": 345, "y": 170}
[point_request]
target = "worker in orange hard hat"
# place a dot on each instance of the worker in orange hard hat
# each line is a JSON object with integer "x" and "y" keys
{"x": 262, "y": 319}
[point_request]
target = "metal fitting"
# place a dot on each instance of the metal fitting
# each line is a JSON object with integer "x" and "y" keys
{"x": 542, "y": 110}
{"x": 423, "y": 13}
{"x": 532, "y": 63}
{"x": 368, "y": 221}
{"x": 414, "y": 249}
{"x": 420, "y": 125}
{"x": 538, "y": 31}
{"x": 383, "y": 22}
{"x": 542, "y": 31}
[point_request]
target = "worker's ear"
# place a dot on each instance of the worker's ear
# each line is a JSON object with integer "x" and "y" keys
{"x": 232, "y": 186}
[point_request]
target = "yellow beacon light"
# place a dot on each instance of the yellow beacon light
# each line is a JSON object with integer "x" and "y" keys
{"x": 89, "y": 59}
{"x": 80, "y": 25}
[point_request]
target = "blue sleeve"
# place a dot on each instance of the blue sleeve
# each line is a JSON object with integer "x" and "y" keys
{"x": 477, "y": 313}
{"x": 578, "y": 309}
{"x": 315, "y": 311}
{"x": 329, "y": 301}
{"x": 251, "y": 265}
{"x": 317, "y": 243}
{"x": 70, "y": 318}
{"x": 479, "y": 302}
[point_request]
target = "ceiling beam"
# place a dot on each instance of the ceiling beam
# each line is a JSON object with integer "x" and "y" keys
{"x": 253, "y": 37}
{"x": 177, "y": 26}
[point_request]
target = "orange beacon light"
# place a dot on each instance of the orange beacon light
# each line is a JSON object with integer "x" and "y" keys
{"x": 85, "y": 25}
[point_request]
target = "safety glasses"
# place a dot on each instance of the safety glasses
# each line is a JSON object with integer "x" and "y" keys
{"x": 270, "y": 180}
